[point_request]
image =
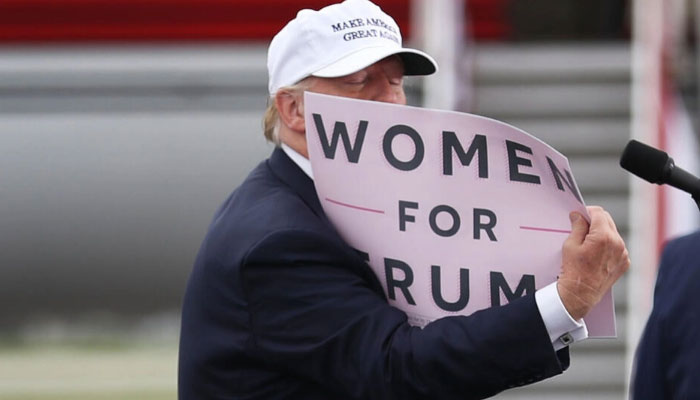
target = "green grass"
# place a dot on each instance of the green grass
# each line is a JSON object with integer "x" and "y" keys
{"x": 125, "y": 395}
{"x": 104, "y": 371}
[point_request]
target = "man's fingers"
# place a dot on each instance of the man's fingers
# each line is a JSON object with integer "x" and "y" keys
{"x": 602, "y": 224}
{"x": 593, "y": 258}
{"x": 608, "y": 219}
{"x": 579, "y": 228}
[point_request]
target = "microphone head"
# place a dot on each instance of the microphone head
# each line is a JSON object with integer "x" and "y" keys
{"x": 645, "y": 161}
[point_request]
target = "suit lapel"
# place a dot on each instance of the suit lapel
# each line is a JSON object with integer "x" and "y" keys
{"x": 288, "y": 172}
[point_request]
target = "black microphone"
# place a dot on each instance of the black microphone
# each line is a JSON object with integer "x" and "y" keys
{"x": 655, "y": 166}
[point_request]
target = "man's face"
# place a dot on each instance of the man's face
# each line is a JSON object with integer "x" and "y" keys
{"x": 381, "y": 81}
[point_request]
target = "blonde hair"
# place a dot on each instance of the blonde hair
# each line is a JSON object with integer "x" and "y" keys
{"x": 271, "y": 118}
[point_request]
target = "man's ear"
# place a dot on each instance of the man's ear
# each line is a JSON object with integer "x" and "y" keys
{"x": 290, "y": 106}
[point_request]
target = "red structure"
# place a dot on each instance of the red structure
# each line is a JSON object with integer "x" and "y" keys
{"x": 39, "y": 21}
{"x": 488, "y": 19}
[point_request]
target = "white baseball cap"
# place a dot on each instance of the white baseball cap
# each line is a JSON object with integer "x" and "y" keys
{"x": 338, "y": 40}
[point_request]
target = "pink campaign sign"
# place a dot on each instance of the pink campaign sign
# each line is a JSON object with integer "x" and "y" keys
{"x": 455, "y": 212}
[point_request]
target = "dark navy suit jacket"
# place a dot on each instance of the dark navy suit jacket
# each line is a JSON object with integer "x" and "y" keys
{"x": 279, "y": 307}
{"x": 668, "y": 357}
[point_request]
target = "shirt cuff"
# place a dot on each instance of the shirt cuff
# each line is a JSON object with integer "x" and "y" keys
{"x": 563, "y": 330}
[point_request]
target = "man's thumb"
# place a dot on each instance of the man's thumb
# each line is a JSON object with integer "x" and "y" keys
{"x": 579, "y": 227}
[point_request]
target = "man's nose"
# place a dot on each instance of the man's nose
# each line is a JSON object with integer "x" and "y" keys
{"x": 387, "y": 92}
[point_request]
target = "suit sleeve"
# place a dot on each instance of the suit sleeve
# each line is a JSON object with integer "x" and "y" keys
{"x": 668, "y": 355}
{"x": 313, "y": 315}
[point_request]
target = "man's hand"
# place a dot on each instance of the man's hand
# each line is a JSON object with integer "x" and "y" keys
{"x": 593, "y": 258}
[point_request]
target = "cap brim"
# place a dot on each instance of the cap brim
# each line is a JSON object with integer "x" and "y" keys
{"x": 415, "y": 62}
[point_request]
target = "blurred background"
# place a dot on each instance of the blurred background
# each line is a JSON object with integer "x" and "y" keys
{"x": 125, "y": 123}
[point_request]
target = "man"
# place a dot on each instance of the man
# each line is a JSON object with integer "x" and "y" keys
{"x": 668, "y": 357}
{"x": 279, "y": 307}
